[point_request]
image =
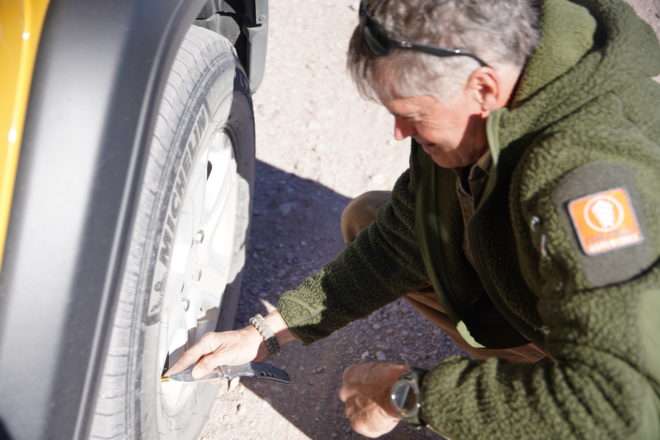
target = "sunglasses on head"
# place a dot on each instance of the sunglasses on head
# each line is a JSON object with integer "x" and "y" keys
{"x": 380, "y": 43}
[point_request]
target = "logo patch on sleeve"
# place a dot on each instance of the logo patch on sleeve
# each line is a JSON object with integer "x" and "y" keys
{"x": 605, "y": 221}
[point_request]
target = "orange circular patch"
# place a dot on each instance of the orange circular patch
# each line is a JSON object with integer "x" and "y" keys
{"x": 605, "y": 221}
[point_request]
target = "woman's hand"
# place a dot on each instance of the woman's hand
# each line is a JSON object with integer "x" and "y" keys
{"x": 365, "y": 392}
{"x": 234, "y": 347}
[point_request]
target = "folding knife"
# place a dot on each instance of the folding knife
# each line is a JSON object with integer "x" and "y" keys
{"x": 258, "y": 370}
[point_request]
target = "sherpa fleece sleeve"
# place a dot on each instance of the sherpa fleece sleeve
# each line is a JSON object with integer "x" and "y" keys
{"x": 381, "y": 265}
{"x": 603, "y": 383}
{"x": 599, "y": 312}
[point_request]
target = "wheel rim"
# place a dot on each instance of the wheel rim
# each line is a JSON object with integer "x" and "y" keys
{"x": 201, "y": 257}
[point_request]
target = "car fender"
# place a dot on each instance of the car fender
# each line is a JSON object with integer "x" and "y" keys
{"x": 98, "y": 80}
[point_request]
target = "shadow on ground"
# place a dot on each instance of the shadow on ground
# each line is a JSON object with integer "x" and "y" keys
{"x": 295, "y": 230}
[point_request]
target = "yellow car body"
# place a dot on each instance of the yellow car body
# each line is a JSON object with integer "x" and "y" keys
{"x": 20, "y": 28}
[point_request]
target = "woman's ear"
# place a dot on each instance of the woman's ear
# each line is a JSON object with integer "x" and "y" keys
{"x": 491, "y": 88}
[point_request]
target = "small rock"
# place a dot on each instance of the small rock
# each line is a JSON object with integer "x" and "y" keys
{"x": 267, "y": 109}
{"x": 364, "y": 356}
{"x": 234, "y": 383}
{"x": 381, "y": 356}
{"x": 319, "y": 370}
{"x": 313, "y": 125}
{"x": 376, "y": 326}
{"x": 287, "y": 207}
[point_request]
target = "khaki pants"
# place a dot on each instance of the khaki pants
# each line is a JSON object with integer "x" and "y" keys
{"x": 359, "y": 214}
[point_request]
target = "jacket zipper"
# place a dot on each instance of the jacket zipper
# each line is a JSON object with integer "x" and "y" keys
{"x": 529, "y": 332}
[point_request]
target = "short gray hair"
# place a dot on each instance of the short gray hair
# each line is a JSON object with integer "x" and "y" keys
{"x": 501, "y": 32}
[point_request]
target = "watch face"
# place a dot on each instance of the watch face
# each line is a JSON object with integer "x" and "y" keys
{"x": 405, "y": 397}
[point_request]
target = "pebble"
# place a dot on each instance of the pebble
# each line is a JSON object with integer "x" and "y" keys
{"x": 314, "y": 125}
{"x": 234, "y": 383}
{"x": 381, "y": 356}
{"x": 287, "y": 207}
{"x": 267, "y": 109}
{"x": 364, "y": 356}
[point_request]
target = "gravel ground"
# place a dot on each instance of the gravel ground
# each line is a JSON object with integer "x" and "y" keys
{"x": 318, "y": 146}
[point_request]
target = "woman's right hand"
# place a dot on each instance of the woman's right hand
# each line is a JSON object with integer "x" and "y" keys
{"x": 234, "y": 347}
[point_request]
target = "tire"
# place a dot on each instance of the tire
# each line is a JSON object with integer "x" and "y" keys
{"x": 187, "y": 246}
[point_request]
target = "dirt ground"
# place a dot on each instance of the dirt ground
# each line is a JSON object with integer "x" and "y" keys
{"x": 318, "y": 146}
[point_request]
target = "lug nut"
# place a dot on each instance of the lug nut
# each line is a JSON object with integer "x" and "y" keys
{"x": 199, "y": 236}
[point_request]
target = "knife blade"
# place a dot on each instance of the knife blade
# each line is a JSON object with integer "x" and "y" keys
{"x": 258, "y": 370}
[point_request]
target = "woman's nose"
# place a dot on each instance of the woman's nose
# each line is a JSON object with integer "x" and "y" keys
{"x": 403, "y": 129}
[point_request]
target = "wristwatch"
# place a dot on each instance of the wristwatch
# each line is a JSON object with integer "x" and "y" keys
{"x": 406, "y": 397}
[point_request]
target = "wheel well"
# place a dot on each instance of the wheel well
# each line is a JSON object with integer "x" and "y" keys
{"x": 245, "y": 24}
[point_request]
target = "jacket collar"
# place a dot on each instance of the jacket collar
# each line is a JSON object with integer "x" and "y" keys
{"x": 587, "y": 48}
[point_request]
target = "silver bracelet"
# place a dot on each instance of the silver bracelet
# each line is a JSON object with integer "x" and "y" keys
{"x": 272, "y": 346}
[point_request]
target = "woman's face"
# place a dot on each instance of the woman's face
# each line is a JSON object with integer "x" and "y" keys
{"x": 453, "y": 133}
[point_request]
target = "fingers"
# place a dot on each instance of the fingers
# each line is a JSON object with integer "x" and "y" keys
{"x": 365, "y": 393}
{"x": 352, "y": 378}
{"x": 367, "y": 417}
{"x": 205, "y": 346}
{"x": 206, "y": 365}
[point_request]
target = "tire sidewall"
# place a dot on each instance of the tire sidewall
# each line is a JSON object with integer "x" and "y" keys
{"x": 231, "y": 113}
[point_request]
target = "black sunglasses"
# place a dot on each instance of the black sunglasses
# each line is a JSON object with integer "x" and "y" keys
{"x": 380, "y": 43}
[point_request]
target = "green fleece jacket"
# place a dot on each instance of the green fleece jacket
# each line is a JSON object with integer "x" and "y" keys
{"x": 579, "y": 146}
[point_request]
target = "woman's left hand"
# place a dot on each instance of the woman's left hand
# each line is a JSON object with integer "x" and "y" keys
{"x": 365, "y": 392}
